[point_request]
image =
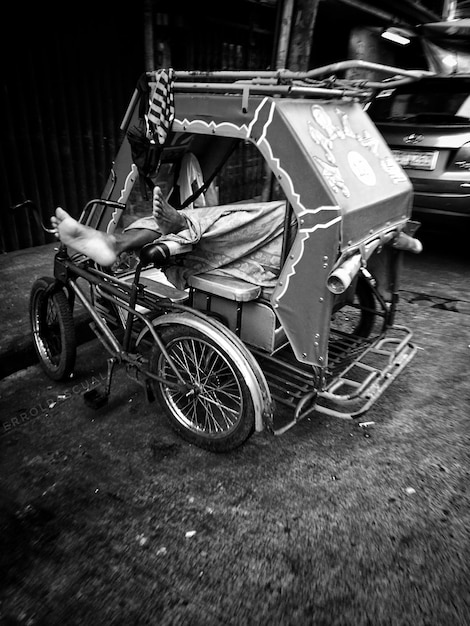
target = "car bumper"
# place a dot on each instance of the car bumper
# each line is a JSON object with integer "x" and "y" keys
{"x": 442, "y": 203}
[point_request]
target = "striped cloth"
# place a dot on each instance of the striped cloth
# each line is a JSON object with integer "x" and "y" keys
{"x": 161, "y": 110}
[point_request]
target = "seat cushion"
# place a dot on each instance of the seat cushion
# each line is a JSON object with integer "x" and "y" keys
{"x": 225, "y": 287}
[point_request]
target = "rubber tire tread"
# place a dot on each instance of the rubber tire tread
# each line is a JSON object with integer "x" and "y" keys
{"x": 68, "y": 344}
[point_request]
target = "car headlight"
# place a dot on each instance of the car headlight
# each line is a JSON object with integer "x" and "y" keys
{"x": 462, "y": 159}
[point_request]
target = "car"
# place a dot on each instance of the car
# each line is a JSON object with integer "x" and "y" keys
{"x": 426, "y": 124}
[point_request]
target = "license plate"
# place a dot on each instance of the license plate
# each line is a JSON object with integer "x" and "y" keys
{"x": 416, "y": 160}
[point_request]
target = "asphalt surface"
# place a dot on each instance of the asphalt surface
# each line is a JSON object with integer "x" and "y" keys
{"x": 335, "y": 522}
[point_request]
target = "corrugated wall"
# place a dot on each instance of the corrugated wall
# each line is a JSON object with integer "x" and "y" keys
{"x": 65, "y": 89}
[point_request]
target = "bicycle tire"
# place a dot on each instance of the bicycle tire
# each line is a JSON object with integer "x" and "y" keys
{"x": 217, "y": 413}
{"x": 358, "y": 317}
{"x": 53, "y": 329}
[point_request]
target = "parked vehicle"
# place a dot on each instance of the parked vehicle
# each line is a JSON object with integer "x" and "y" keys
{"x": 427, "y": 126}
{"x": 222, "y": 354}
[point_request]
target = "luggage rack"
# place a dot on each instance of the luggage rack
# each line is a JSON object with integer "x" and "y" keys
{"x": 321, "y": 81}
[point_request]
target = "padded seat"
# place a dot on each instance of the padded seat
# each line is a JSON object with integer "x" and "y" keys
{"x": 225, "y": 286}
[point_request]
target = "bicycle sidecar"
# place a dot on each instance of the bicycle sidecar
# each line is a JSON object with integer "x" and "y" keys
{"x": 221, "y": 352}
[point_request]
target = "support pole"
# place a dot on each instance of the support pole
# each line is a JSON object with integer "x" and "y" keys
{"x": 302, "y": 34}
{"x": 284, "y": 34}
{"x": 148, "y": 36}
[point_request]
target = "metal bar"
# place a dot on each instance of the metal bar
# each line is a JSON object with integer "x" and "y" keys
{"x": 270, "y": 90}
{"x": 130, "y": 109}
{"x": 288, "y": 75}
{"x": 285, "y": 33}
{"x": 96, "y": 318}
{"x": 382, "y": 383}
{"x": 108, "y": 334}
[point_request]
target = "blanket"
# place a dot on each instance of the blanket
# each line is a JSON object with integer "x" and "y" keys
{"x": 240, "y": 240}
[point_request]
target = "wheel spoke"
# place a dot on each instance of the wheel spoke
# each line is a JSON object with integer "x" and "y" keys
{"x": 209, "y": 416}
{"x": 186, "y": 360}
{"x": 216, "y": 402}
{"x": 215, "y": 407}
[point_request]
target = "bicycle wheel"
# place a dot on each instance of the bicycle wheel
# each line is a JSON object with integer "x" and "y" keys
{"x": 215, "y": 411}
{"x": 357, "y": 317}
{"x": 53, "y": 329}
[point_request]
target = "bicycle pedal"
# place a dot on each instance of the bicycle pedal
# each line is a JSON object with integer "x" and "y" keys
{"x": 95, "y": 398}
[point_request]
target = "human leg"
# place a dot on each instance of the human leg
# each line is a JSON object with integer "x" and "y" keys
{"x": 101, "y": 247}
{"x": 169, "y": 220}
{"x": 134, "y": 239}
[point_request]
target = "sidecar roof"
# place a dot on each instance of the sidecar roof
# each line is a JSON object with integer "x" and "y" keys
{"x": 325, "y": 152}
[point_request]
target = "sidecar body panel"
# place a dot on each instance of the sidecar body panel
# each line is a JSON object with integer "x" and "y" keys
{"x": 336, "y": 172}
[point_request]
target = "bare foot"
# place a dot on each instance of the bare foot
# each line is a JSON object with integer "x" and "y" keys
{"x": 97, "y": 245}
{"x": 169, "y": 220}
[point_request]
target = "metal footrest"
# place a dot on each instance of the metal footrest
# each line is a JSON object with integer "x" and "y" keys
{"x": 354, "y": 384}
{"x": 360, "y": 369}
{"x": 289, "y": 381}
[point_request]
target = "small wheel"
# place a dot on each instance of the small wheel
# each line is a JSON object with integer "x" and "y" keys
{"x": 357, "y": 317}
{"x": 53, "y": 329}
{"x": 215, "y": 410}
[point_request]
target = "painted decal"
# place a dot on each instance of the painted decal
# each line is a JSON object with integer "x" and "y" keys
{"x": 325, "y": 122}
{"x": 369, "y": 142}
{"x": 128, "y": 184}
{"x": 324, "y": 131}
{"x": 275, "y": 163}
{"x": 333, "y": 176}
{"x": 347, "y": 130}
{"x": 123, "y": 196}
{"x": 185, "y": 125}
{"x": 267, "y": 124}
{"x": 303, "y": 236}
{"x": 194, "y": 126}
{"x": 324, "y": 142}
{"x": 361, "y": 168}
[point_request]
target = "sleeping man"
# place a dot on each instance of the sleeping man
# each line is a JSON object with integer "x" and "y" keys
{"x": 240, "y": 240}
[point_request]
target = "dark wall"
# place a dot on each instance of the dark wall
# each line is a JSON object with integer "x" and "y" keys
{"x": 66, "y": 79}
{"x": 68, "y": 73}
{"x": 217, "y": 35}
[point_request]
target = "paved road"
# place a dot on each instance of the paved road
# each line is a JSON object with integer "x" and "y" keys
{"x": 330, "y": 523}
{"x": 440, "y": 274}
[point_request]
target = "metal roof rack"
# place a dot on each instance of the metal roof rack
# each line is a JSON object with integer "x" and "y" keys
{"x": 318, "y": 82}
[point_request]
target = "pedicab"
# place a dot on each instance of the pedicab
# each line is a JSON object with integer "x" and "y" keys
{"x": 222, "y": 356}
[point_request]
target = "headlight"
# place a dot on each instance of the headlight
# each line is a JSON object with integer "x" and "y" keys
{"x": 461, "y": 162}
